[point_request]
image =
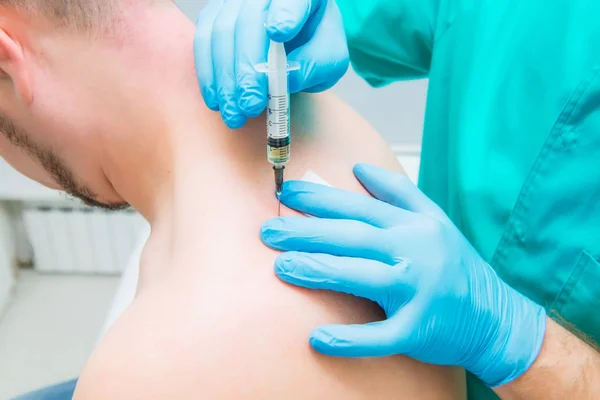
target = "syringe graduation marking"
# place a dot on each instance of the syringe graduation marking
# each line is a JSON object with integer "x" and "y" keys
{"x": 280, "y": 110}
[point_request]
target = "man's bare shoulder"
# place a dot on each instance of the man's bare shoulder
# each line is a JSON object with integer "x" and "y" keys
{"x": 167, "y": 345}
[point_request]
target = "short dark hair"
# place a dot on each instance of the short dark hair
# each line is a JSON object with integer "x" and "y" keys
{"x": 82, "y": 15}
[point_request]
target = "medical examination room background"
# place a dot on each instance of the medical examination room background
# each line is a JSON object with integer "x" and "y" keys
{"x": 60, "y": 263}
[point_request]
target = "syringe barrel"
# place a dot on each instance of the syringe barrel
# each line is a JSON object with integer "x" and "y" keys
{"x": 278, "y": 116}
{"x": 279, "y": 100}
{"x": 278, "y": 112}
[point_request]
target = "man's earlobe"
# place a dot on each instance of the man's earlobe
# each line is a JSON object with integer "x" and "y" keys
{"x": 14, "y": 67}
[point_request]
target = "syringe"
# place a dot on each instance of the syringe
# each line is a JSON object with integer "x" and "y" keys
{"x": 278, "y": 110}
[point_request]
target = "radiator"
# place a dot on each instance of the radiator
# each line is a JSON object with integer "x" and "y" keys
{"x": 80, "y": 240}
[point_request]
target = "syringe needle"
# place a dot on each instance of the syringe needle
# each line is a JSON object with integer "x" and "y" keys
{"x": 279, "y": 207}
{"x": 278, "y": 186}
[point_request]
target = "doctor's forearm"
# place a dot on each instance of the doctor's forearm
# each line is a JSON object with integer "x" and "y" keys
{"x": 567, "y": 368}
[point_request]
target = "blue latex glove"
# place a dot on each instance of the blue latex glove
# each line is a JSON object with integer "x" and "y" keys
{"x": 231, "y": 38}
{"x": 445, "y": 305}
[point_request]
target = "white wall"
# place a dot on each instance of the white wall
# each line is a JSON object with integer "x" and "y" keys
{"x": 396, "y": 111}
{"x": 14, "y": 186}
{"x": 6, "y": 257}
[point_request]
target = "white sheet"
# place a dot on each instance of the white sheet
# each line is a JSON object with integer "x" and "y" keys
{"x": 311, "y": 176}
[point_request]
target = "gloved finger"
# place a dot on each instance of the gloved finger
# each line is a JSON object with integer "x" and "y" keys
{"x": 203, "y": 53}
{"x": 223, "y": 54}
{"x": 396, "y": 189}
{"x": 355, "y": 276}
{"x": 324, "y": 58}
{"x": 343, "y": 238}
{"x": 328, "y": 202}
{"x": 251, "y": 47}
{"x": 319, "y": 88}
{"x": 376, "y": 339}
{"x": 287, "y": 18}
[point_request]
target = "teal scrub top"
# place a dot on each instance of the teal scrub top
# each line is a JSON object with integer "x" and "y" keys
{"x": 511, "y": 143}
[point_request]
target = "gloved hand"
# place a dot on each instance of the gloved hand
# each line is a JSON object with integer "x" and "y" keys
{"x": 232, "y": 36}
{"x": 444, "y": 304}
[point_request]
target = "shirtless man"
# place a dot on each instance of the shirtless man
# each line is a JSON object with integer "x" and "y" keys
{"x": 99, "y": 98}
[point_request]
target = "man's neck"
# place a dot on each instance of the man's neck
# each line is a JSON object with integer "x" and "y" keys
{"x": 174, "y": 149}
{"x": 161, "y": 123}
{"x": 167, "y": 152}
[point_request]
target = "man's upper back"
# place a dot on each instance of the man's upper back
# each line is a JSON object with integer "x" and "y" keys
{"x": 214, "y": 322}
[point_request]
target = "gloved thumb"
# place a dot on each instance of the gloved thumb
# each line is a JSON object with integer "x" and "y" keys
{"x": 287, "y": 18}
{"x": 376, "y": 339}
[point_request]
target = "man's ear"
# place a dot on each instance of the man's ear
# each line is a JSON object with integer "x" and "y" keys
{"x": 14, "y": 68}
